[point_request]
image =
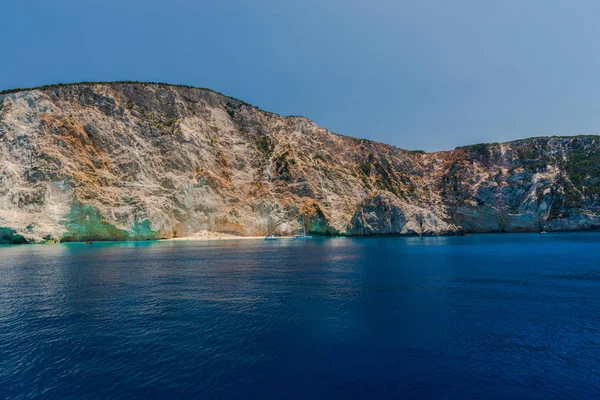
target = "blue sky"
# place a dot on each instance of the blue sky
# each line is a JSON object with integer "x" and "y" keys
{"x": 417, "y": 74}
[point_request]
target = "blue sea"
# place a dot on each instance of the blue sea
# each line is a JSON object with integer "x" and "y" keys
{"x": 474, "y": 317}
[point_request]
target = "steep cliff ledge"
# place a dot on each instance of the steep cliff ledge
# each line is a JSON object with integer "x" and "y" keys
{"x": 122, "y": 161}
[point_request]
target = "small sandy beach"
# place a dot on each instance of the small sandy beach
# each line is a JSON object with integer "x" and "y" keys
{"x": 207, "y": 235}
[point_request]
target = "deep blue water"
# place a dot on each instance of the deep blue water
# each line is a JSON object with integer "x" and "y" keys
{"x": 482, "y": 316}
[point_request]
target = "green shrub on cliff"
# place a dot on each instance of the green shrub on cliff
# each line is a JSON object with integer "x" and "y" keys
{"x": 583, "y": 168}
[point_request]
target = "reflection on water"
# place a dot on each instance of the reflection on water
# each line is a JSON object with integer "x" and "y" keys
{"x": 490, "y": 316}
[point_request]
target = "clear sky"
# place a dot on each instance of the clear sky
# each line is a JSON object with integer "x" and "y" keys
{"x": 419, "y": 74}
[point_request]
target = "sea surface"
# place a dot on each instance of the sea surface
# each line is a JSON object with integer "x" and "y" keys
{"x": 480, "y": 316}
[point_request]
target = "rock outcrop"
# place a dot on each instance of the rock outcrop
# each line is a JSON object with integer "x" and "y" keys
{"x": 385, "y": 214}
{"x": 135, "y": 161}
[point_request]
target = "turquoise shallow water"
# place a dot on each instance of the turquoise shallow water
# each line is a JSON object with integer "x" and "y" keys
{"x": 482, "y": 316}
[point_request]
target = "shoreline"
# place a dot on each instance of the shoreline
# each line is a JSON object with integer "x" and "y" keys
{"x": 213, "y": 236}
{"x": 207, "y": 235}
{"x": 199, "y": 238}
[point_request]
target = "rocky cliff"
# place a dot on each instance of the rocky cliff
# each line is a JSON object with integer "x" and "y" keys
{"x": 142, "y": 161}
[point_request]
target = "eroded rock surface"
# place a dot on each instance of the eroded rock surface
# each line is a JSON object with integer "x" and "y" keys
{"x": 143, "y": 161}
{"x": 385, "y": 214}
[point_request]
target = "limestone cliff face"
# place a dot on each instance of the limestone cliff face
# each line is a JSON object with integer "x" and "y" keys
{"x": 385, "y": 214}
{"x": 143, "y": 161}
